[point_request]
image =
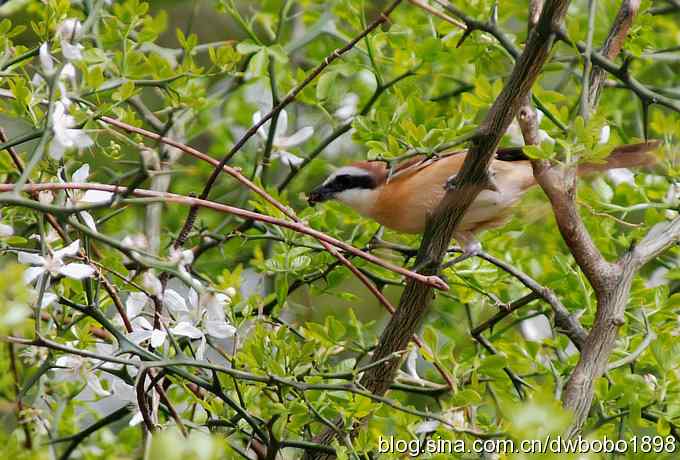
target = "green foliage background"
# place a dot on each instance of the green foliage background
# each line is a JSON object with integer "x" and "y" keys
{"x": 204, "y": 68}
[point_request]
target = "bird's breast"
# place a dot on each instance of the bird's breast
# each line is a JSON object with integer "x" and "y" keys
{"x": 405, "y": 205}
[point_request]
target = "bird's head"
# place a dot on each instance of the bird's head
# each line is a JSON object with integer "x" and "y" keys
{"x": 353, "y": 185}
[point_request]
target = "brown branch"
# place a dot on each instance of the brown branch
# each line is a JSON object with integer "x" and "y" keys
{"x": 559, "y": 184}
{"x": 236, "y": 174}
{"x": 432, "y": 281}
{"x": 472, "y": 179}
{"x": 612, "y": 46}
{"x": 439, "y": 14}
{"x": 610, "y": 281}
{"x": 565, "y": 321}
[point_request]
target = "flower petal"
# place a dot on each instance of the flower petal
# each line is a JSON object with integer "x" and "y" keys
{"x": 174, "y": 301}
{"x": 138, "y": 337}
{"x": 6, "y": 230}
{"x": 141, "y": 323}
{"x": 123, "y": 391}
{"x": 200, "y": 351}
{"x": 69, "y": 29}
{"x": 604, "y": 134}
{"x": 281, "y": 124}
{"x": 68, "y": 251}
{"x": 187, "y": 329}
{"x": 32, "y": 273}
{"x": 136, "y": 419}
{"x": 135, "y": 303}
{"x": 71, "y": 52}
{"x": 81, "y": 173}
{"x": 77, "y": 271}
{"x": 95, "y": 385}
{"x": 262, "y": 130}
{"x": 30, "y": 258}
{"x": 219, "y": 329}
{"x": 47, "y": 299}
{"x": 152, "y": 283}
{"x": 193, "y": 298}
{"x": 46, "y": 59}
{"x": 72, "y": 362}
{"x": 79, "y": 138}
{"x": 288, "y": 158}
{"x": 295, "y": 139}
{"x": 89, "y": 220}
{"x": 621, "y": 176}
{"x": 56, "y": 150}
{"x": 96, "y": 196}
{"x": 158, "y": 338}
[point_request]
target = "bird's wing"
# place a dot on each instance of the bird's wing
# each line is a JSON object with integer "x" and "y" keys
{"x": 407, "y": 168}
{"x": 416, "y": 164}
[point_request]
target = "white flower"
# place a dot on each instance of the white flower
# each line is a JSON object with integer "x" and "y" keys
{"x": 142, "y": 329}
{"x": 134, "y": 243}
{"x": 5, "y": 230}
{"x": 127, "y": 394}
{"x": 152, "y": 284}
{"x": 515, "y": 132}
{"x": 46, "y": 61}
{"x": 282, "y": 142}
{"x": 54, "y": 264}
{"x": 455, "y": 417}
{"x": 72, "y": 52}
{"x": 174, "y": 301}
{"x": 77, "y": 197}
{"x": 204, "y": 316}
{"x": 183, "y": 259}
{"x": 75, "y": 367}
{"x": 536, "y": 329}
{"x": 137, "y": 241}
{"x": 48, "y": 299}
{"x": 69, "y": 29}
{"x": 348, "y": 107}
{"x": 411, "y": 365}
{"x": 90, "y": 196}
{"x": 68, "y": 72}
{"x": 68, "y": 33}
{"x": 65, "y": 135}
{"x": 604, "y": 134}
{"x": 621, "y": 176}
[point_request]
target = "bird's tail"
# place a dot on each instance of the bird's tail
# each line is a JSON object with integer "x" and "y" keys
{"x": 625, "y": 156}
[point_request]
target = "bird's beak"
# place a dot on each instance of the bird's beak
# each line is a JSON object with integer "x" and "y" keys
{"x": 319, "y": 195}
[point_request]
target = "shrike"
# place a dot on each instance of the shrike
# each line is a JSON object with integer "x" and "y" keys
{"x": 404, "y": 199}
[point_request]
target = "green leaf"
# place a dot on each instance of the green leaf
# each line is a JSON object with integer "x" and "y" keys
{"x": 326, "y": 82}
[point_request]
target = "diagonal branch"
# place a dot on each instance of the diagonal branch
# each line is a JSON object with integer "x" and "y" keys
{"x": 612, "y": 46}
{"x": 472, "y": 179}
{"x": 433, "y": 281}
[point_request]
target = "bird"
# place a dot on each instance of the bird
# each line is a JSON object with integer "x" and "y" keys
{"x": 402, "y": 198}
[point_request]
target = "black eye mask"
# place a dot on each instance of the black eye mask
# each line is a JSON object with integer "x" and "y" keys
{"x": 325, "y": 192}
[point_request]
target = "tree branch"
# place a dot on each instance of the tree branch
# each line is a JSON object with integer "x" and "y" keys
{"x": 433, "y": 281}
{"x": 472, "y": 179}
